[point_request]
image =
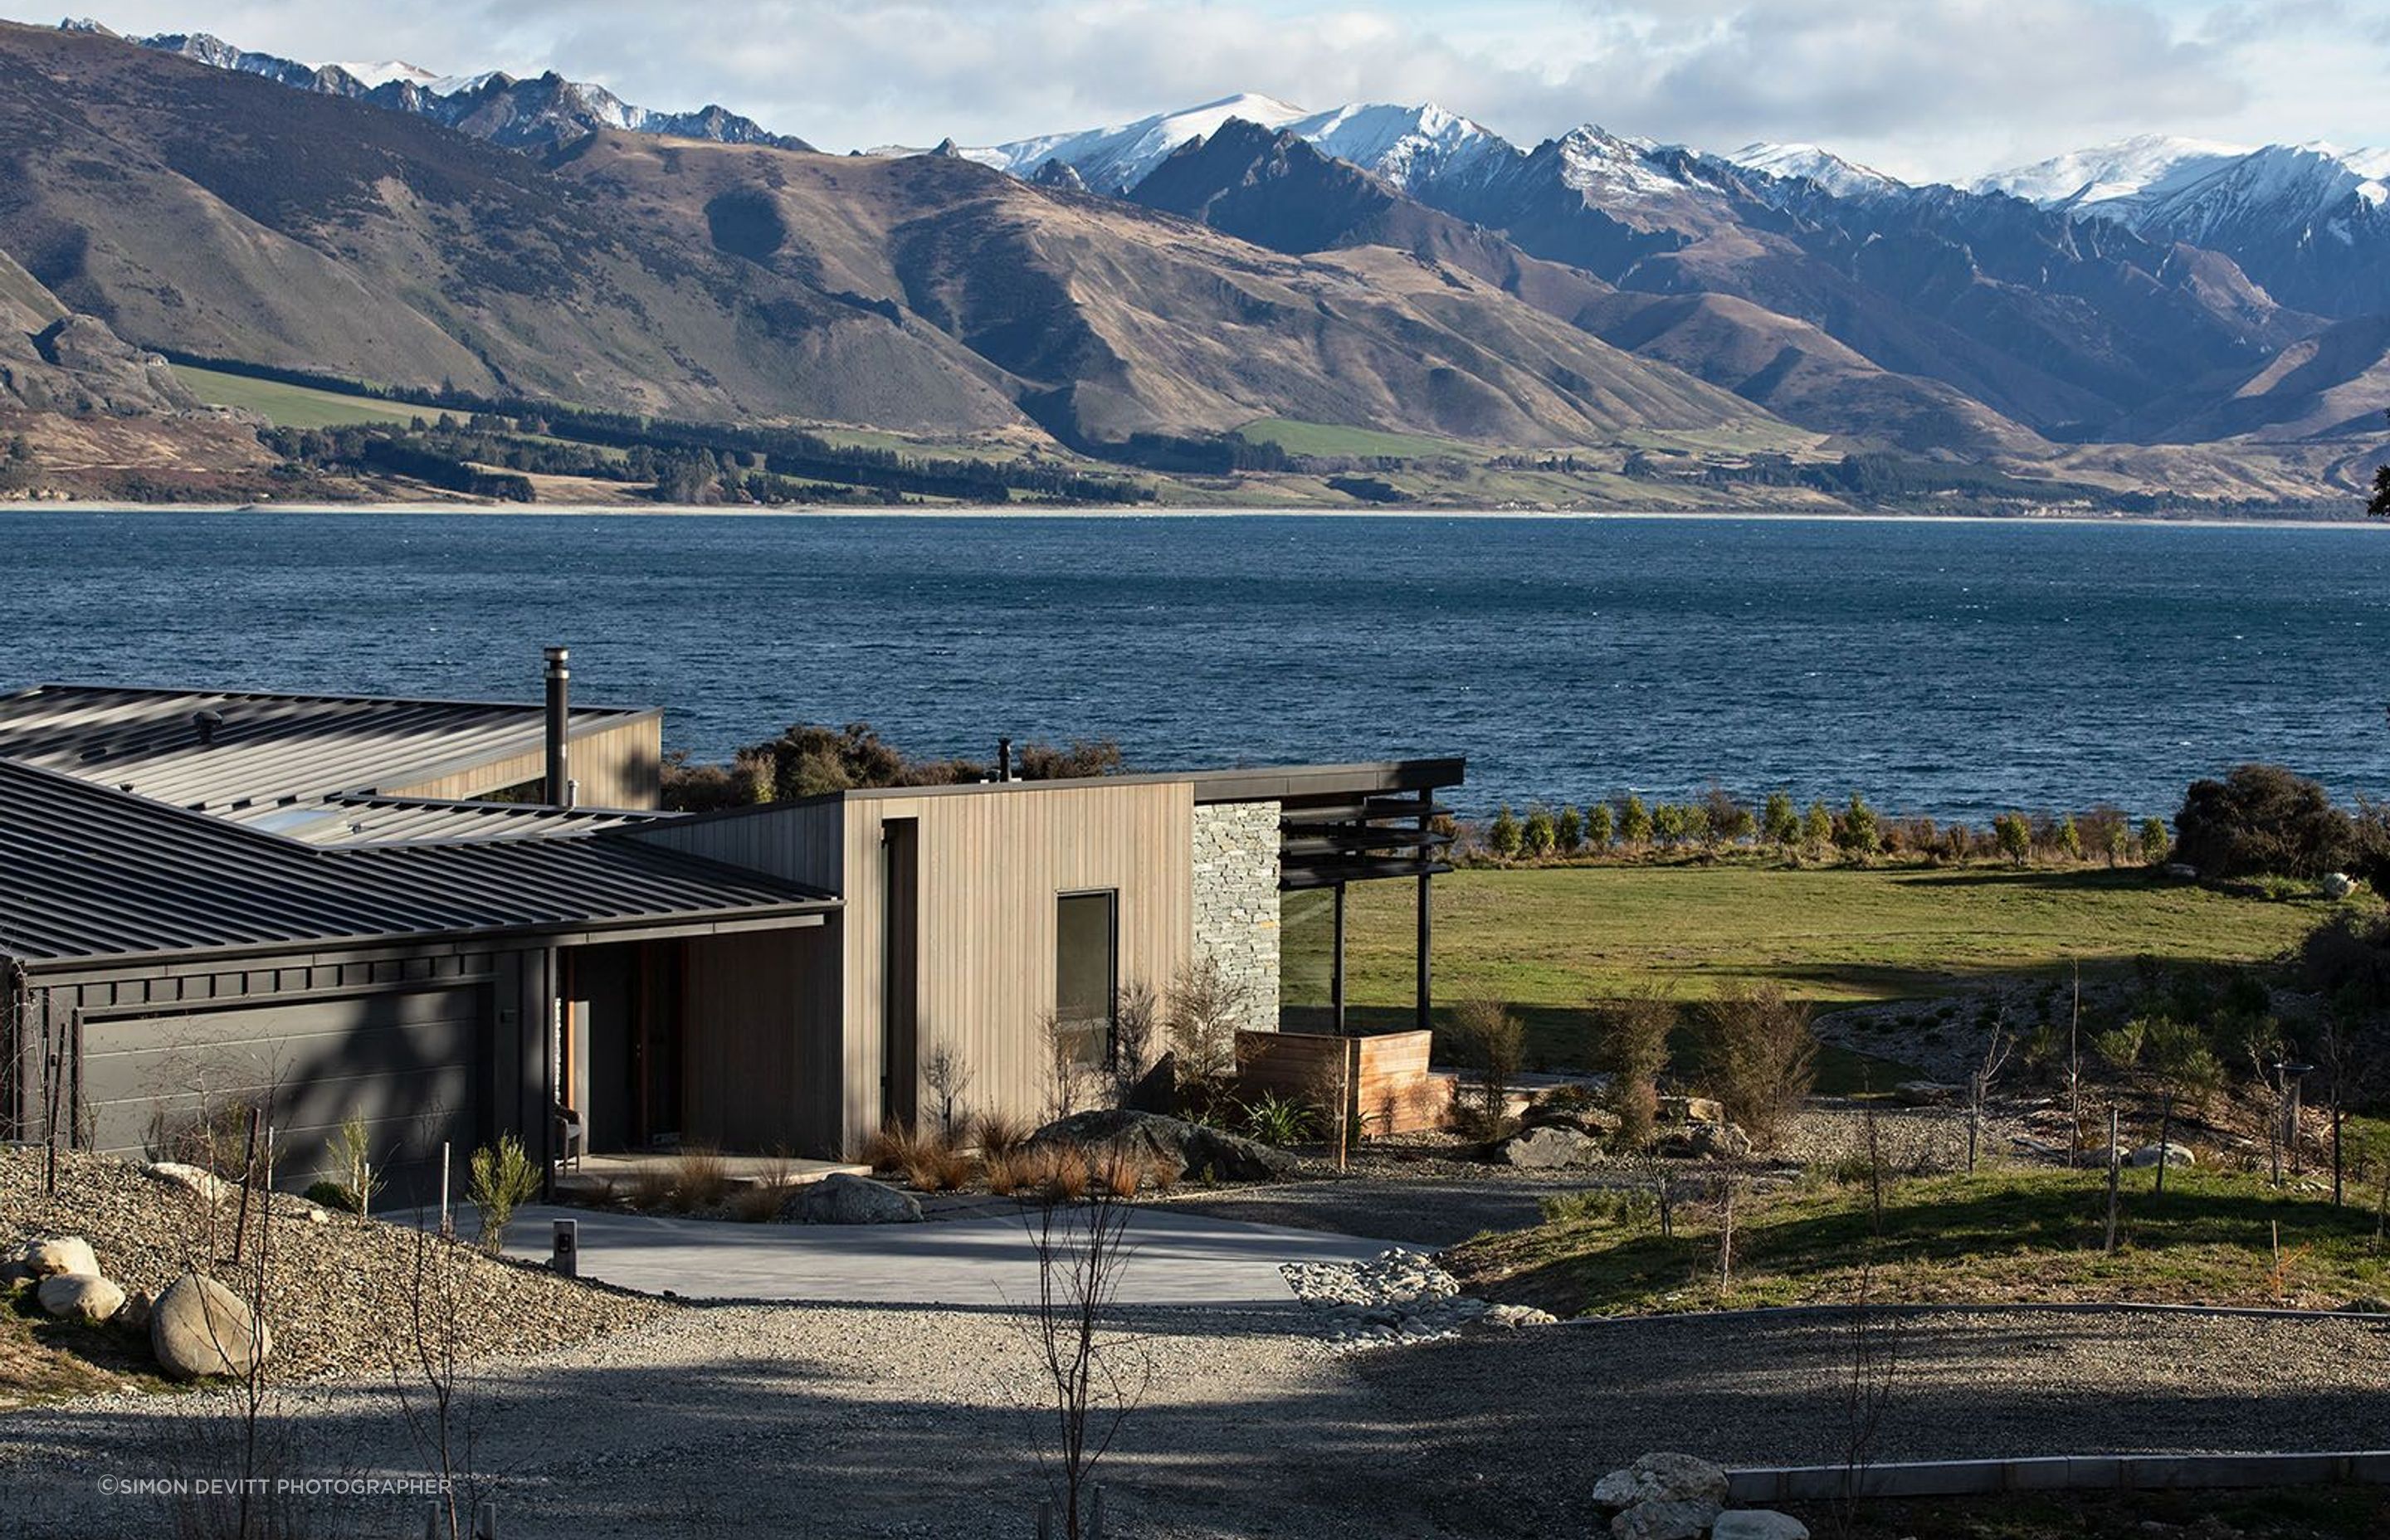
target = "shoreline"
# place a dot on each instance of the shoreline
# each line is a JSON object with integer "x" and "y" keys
{"x": 687, "y": 510}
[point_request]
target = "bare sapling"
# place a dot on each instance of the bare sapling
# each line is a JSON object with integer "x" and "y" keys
{"x": 1492, "y": 1042}
{"x": 2115, "y": 1165}
{"x": 947, "y": 1075}
{"x": 427, "y": 1374}
{"x": 1997, "y": 1047}
{"x": 1760, "y": 1057}
{"x": 2075, "y": 1072}
{"x": 1871, "y": 1367}
{"x": 1093, "y": 1375}
{"x": 1136, "y": 1028}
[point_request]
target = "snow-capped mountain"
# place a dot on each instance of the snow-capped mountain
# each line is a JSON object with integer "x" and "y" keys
{"x": 1809, "y": 163}
{"x": 2309, "y": 222}
{"x": 531, "y": 113}
{"x": 2113, "y": 178}
{"x": 1408, "y": 146}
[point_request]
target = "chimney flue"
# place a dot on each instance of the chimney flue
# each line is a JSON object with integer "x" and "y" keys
{"x": 1004, "y": 759}
{"x": 559, "y": 721}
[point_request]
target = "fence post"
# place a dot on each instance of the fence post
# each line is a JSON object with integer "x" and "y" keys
{"x": 2110, "y": 1249}
{"x": 1046, "y": 1518}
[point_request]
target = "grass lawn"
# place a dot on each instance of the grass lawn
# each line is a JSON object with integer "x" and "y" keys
{"x": 1550, "y": 940}
{"x": 2005, "y": 1234}
{"x": 43, "y": 1359}
{"x": 295, "y": 405}
{"x": 1325, "y": 439}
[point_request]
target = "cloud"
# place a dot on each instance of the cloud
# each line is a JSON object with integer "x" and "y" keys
{"x": 1921, "y": 87}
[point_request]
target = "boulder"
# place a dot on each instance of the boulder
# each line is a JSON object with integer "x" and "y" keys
{"x": 845, "y": 1199}
{"x": 81, "y": 1296}
{"x": 135, "y": 1313}
{"x": 2337, "y": 885}
{"x": 196, "y": 1180}
{"x": 1662, "y": 1477}
{"x": 1704, "y": 1140}
{"x": 1691, "y": 1109}
{"x": 1758, "y": 1524}
{"x": 2173, "y": 1154}
{"x": 1150, "y": 1138}
{"x": 1551, "y": 1147}
{"x": 1665, "y": 1519}
{"x": 198, "y": 1327}
{"x": 1585, "y": 1120}
{"x": 2181, "y": 871}
{"x": 48, "y": 1258}
{"x": 1928, "y": 1093}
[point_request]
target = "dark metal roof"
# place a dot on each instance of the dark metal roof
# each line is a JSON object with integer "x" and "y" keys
{"x": 268, "y": 751}
{"x": 88, "y": 872}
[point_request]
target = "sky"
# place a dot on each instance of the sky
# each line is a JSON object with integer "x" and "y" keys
{"x": 1924, "y": 89}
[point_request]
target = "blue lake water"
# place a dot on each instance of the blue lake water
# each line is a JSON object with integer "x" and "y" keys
{"x": 1950, "y": 668}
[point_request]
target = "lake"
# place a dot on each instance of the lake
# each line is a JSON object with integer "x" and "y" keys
{"x": 1951, "y": 667}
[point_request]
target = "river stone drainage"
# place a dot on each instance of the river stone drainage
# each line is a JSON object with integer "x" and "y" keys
{"x": 1401, "y": 1296}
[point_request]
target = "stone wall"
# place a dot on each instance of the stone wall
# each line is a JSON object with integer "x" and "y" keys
{"x": 1236, "y": 900}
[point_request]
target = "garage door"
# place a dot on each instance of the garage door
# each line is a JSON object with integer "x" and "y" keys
{"x": 408, "y": 1063}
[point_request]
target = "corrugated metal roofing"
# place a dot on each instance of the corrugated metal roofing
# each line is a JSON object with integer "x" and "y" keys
{"x": 400, "y": 820}
{"x": 270, "y": 748}
{"x": 90, "y": 872}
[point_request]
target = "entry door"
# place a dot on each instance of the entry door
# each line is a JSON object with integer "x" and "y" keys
{"x": 900, "y": 970}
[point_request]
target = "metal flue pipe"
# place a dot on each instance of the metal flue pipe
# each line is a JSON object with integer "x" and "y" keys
{"x": 560, "y": 721}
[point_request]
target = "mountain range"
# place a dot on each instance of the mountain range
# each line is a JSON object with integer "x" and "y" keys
{"x": 2154, "y": 316}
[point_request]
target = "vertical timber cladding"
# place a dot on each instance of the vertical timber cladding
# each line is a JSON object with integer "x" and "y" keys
{"x": 1235, "y": 876}
{"x": 993, "y": 860}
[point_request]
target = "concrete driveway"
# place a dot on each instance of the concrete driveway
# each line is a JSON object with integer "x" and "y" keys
{"x": 978, "y": 1260}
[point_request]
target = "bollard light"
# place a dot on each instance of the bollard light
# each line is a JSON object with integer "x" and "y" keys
{"x": 564, "y": 1248}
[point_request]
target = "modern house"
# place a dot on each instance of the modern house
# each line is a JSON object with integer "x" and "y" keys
{"x": 459, "y": 918}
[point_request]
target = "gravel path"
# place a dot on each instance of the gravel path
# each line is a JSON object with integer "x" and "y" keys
{"x": 795, "y": 1421}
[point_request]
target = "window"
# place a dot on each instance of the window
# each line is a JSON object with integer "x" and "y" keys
{"x": 1087, "y": 933}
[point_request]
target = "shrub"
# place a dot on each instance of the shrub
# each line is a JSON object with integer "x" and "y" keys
{"x": 2155, "y": 843}
{"x": 651, "y": 1188}
{"x": 1600, "y": 829}
{"x": 1668, "y": 824}
{"x": 1275, "y": 1119}
{"x": 1201, "y": 1018}
{"x": 761, "y": 1200}
{"x": 1634, "y": 823}
{"x": 2346, "y": 960}
{"x": 1503, "y": 837}
{"x": 1778, "y": 821}
{"x": 1492, "y": 1042}
{"x": 1539, "y": 837}
{"x": 1570, "y": 832}
{"x": 1858, "y": 832}
{"x": 1119, "y": 1174}
{"x": 1062, "y": 1172}
{"x": 2012, "y": 836}
{"x": 2261, "y": 819}
{"x": 1007, "y": 1172}
{"x": 502, "y": 1179}
{"x": 1759, "y": 1056}
{"x": 353, "y": 1177}
{"x": 2070, "y": 839}
{"x": 1624, "y": 1206}
{"x": 1725, "y": 818}
{"x": 1634, "y": 1048}
{"x": 1816, "y": 826}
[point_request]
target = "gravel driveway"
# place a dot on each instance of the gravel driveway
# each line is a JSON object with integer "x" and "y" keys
{"x": 794, "y": 1421}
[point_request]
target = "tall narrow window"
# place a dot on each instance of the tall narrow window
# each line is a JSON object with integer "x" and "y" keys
{"x": 1086, "y": 971}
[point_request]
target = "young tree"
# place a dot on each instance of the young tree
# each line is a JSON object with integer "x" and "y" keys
{"x": 1504, "y": 837}
{"x": 1778, "y": 821}
{"x": 1817, "y": 828}
{"x": 1635, "y": 826}
{"x": 1759, "y": 1056}
{"x": 2186, "y": 1069}
{"x": 1093, "y": 1375}
{"x": 1540, "y": 836}
{"x": 2155, "y": 845}
{"x": 1600, "y": 829}
{"x": 1668, "y": 823}
{"x": 2070, "y": 839}
{"x": 1859, "y": 832}
{"x": 1570, "y": 832}
{"x": 2012, "y": 836}
{"x": 1634, "y": 1048}
{"x": 1494, "y": 1042}
{"x": 1727, "y": 820}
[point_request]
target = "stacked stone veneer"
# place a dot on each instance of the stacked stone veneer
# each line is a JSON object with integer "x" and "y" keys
{"x": 1236, "y": 900}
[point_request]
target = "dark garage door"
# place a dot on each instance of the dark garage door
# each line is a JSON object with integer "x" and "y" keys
{"x": 408, "y": 1062}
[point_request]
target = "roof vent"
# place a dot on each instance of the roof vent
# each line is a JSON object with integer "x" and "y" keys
{"x": 206, "y": 723}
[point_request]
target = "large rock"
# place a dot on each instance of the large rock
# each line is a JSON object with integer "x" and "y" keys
{"x": 81, "y": 1296}
{"x": 1704, "y": 1140}
{"x": 2337, "y": 885}
{"x": 1551, "y": 1147}
{"x": 1596, "y": 1121}
{"x": 1691, "y": 1109}
{"x": 2173, "y": 1154}
{"x": 48, "y": 1258}
{"x": 1150, "y": 1138}
{"x": 843, "y": 1198}
{"x": 198, "y": 1327}
{"x": 1665, "y": 1519}
{"x": 196, "y": 1180}
{"x": 1928, "y": 1093}
{"x": 1662, "y": 1477}
{"x": 1758, "y": 1524}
